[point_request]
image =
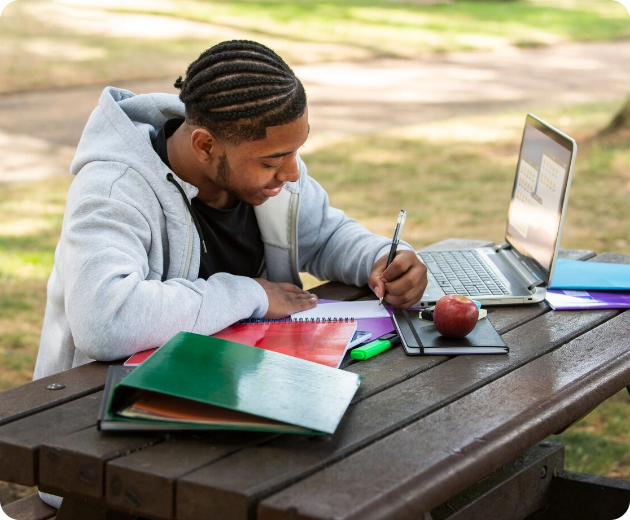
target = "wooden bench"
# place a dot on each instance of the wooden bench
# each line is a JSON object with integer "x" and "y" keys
{"x": 29, "y": 508}
{"x": 578, "y": 495}
{"x": 535, "y": 486}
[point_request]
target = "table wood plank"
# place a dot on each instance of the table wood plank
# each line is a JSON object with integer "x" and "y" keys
{"x": 20, "y": 440}
{"x": 427, "y": 462}
{"x": 145, "y": 480}
{"x": 73, "y": 465}
{"x": 34, "y": 397}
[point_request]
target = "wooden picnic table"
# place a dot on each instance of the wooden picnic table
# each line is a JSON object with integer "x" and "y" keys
{"x": 425, "y": 437}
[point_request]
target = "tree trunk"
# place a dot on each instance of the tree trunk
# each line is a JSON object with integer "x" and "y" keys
{"x": 621, "y": 120}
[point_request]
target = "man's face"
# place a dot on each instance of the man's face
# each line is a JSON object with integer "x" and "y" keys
{"x": 254, "y": 171}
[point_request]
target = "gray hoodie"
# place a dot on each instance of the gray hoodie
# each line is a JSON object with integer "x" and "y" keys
{"x": 125, "y": 277}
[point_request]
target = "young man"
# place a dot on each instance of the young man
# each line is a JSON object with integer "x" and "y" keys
{"x": 193, "y": 213}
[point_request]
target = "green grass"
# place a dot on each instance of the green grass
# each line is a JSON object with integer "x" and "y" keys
{"x": 30, "y": 223}
{"x": 599, "y": 444}
{"x": 405, "y": 28}
{"x": 56, "y": 44}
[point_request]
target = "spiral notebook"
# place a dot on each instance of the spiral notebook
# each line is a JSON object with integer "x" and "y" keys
{"x": 324, "y": 342}
{"x": 327, "y": 309}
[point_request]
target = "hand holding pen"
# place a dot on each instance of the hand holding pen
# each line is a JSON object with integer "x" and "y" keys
{"x": 395, "y": 240}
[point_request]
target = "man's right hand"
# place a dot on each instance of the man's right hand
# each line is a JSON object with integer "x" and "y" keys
{"x": 286, "y": 298}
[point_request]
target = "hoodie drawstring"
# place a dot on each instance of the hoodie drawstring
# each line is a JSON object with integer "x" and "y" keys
{"x": 170, "y": 178}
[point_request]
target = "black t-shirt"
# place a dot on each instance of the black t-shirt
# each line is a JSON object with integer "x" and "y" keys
{"x": 232, "y": 236}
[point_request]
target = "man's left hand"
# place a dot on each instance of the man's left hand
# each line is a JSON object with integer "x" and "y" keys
{"x": 403, "y": 282}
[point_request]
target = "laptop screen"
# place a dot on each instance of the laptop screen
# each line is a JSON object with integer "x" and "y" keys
{"x": 541, "y": 192}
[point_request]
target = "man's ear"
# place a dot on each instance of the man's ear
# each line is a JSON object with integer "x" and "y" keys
{"x": 204, "y": 145}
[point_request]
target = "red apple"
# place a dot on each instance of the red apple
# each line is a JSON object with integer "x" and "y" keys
{"x": 455, "y": 316}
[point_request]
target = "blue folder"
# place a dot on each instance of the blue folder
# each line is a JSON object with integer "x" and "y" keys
{"x": 575, "y": 274}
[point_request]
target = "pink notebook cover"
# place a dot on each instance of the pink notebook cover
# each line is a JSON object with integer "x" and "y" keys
{"x": 320, "y": 342}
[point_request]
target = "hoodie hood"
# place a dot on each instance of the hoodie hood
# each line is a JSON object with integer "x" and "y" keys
{"x": 120, "y": 130}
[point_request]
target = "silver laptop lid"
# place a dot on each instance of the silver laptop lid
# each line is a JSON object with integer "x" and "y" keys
{"x": 540, "y": 195}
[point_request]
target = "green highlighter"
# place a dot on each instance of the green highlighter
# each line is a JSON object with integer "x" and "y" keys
{"x": 375, "y": 347}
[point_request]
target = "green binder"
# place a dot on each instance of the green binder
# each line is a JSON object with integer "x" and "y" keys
{"x": 289, "y": 394}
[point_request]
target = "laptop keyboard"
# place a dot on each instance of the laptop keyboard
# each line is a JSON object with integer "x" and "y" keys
{"x": 462, "y": 272}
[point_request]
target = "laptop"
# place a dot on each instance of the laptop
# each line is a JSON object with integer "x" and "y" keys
{"x": 518, "y": 271}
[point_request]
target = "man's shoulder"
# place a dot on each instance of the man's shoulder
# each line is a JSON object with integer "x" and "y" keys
{"x": 107, "y": 179}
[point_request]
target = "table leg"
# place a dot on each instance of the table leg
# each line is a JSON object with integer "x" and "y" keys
{"x": 75, "y": 510}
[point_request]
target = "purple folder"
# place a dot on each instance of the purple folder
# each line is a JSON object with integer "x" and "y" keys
{"x": 587, "y": 299}
{"x": 377, "y": 326}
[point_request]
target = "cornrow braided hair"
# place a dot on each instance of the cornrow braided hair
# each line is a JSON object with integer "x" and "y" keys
{"x": 238, "y": 88}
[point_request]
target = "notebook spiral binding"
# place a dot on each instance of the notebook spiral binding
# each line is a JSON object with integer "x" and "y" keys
{"x": 296, "y": 320}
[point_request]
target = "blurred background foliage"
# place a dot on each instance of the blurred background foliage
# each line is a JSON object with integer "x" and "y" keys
{"x": 62, "y": 43}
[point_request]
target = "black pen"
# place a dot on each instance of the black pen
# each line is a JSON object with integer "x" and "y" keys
{"x": 392, "y": 252}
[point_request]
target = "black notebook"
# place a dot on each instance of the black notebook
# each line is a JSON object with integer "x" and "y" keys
{"x": 419, "y": 337}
